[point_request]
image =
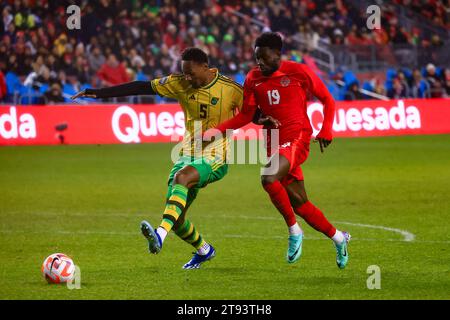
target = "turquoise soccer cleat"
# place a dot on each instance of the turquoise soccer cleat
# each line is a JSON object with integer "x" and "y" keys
{"x": 198, "y": 259}
{"x": 295, "y": 247}
{"x": 342, "y": 251}
{"x": 154, "y": 241}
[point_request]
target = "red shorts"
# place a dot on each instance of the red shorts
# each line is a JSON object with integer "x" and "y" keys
{"x": 296, "y": 152}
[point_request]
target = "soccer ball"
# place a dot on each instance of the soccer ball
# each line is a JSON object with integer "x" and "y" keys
{"x": 58, "y": 268}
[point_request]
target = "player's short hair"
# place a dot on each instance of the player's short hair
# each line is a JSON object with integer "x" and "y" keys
{"x": 194, "y": 54}
{"x": 271, "y": 40}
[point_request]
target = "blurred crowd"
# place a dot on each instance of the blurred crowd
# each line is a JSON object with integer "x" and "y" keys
{"x": 427, "y": 82}
{"x": 338, "y": 22}
{"x": 124, "y": 40}
{"x": 433, "y": 10}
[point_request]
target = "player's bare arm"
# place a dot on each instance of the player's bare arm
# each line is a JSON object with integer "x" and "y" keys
{"x": 261, "y": 119}
{"x": 133, "y": 88}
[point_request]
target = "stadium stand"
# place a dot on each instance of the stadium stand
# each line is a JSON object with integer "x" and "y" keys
{"x": 41, "y": 61}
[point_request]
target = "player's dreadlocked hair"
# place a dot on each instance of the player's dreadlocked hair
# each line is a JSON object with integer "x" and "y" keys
{"x": 194, "y": 54}
{"x": 269, "y": 39}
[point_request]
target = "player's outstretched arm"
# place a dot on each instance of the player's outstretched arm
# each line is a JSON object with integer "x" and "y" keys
{"x": 245, "y": 116}
{"x": 241, "y": 119}
{"x": 133, "y": 88}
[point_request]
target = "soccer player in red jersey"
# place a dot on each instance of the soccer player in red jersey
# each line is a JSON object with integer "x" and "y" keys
{"x": 280, "y": 89}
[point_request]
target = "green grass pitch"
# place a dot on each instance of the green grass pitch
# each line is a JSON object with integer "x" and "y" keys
{"x": 88, "y": 201}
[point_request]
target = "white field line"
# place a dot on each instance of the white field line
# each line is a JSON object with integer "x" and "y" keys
{"x": 231, "y": 236}
{"x": 407, "y": 236}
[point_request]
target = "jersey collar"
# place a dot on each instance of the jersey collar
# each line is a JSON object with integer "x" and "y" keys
{"x": 209, "y": 85}
{"x": 279, "y": 71}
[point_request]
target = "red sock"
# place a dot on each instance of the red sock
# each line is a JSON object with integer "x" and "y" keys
{"x": 280, "y": 199}
{"x": 315, "y": 218}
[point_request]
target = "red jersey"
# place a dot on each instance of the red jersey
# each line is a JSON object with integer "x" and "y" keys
{"x": 283, "y": 95}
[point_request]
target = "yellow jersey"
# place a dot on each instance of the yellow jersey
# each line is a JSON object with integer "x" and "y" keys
{"x": 203, "y": 108}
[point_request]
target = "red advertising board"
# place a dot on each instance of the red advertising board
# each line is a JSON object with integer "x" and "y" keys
{"x": 104, "y": 124}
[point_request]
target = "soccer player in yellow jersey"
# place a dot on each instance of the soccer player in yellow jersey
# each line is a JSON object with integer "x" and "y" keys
{"x": 207, "y": 98}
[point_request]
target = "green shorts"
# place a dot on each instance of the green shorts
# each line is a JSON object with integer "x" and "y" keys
{"x": 208, "y": 170}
